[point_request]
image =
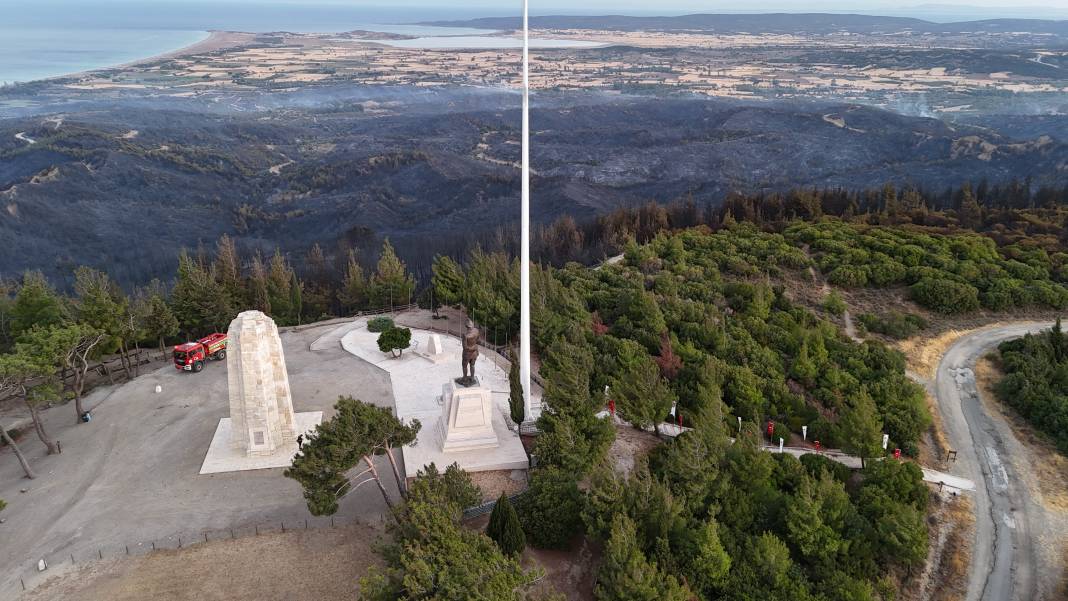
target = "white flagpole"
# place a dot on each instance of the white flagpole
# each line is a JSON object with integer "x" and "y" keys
{"x": 524, "y": 265}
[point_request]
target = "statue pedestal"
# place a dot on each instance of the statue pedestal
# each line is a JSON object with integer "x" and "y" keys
{"x": 466, "y": 422}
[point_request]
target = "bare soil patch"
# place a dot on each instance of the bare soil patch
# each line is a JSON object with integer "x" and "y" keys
{"x": 496, "y": 482}
{"x": 630, "y": 446}
{"x": 296, "y": 565}
{"x": 572, "y": 572}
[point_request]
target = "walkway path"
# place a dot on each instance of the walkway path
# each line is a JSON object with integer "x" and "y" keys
{"x": 954, "y": 483}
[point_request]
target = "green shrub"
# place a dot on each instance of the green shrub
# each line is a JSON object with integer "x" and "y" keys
{"x": 551, "y": 508}
{"x": 945, "y": 296}
{"x": 379, "y": 324}
{"x": 1034, "y": 382}
{"x": 504, "y": 528}
{"x": 849, "y": 276}
{"x": 394, "y": 340}
{"x": 815, "y": 464}
{"x": 833, "y": 304}
{"x": 894, "y": 324}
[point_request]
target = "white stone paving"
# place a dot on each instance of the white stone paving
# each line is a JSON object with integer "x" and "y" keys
{"x": 417, "y": 383}
{"x": 223, "y": 456}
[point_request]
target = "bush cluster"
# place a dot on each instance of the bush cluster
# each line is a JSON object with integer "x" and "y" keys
{"x": 947, "y": 273}
{"x": 379, "y": 324}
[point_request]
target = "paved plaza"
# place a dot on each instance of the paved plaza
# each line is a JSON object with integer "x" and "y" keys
{"x": 417, "y": 382}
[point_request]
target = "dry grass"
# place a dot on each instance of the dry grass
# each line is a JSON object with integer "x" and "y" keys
{"x": 922, "y": 354}
{"x": 934, "y": 445}
{"x": 1047, "y": 464}
{"x": 944, "y": 574}
{"x": 304, "y": 564}
{"x": 959, "y": 518}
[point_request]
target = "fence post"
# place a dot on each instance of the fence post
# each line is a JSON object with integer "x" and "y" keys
{"x": 100, "y": 553}
{"x": 257, "y": 529}
{"x": 179, "y": 542}
{"x": 72, "y": 558}
{"x": 283, "y": 526}
{"x": 23, "y": 584}
{"x": 305, "y": 523}
{"x": 127, "y": 549}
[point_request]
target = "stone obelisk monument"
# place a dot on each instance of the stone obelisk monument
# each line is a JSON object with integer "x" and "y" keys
{"x": 261, "y": 405}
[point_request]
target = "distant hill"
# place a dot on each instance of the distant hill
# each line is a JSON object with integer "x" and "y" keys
{"x": 125, "y": 188}
{"x": 771, "y": 23}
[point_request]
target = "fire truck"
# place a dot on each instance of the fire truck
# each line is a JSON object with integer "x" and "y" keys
{"x": 192, "y": 355}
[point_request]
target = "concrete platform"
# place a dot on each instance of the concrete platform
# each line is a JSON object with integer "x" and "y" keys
{"x": 223, "y": 457}
{"x": 417, "y": 383}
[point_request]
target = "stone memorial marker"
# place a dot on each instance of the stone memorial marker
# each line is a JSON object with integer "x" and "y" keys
{"x": 261, "y": 406}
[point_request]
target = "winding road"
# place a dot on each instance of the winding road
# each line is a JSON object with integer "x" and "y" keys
{"x": 1003, "y": 566}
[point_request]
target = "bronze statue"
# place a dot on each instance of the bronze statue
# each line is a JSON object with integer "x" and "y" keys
{"x": 470, "y": 354}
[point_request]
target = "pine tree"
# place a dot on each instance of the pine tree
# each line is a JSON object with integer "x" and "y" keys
{"x": 279, "y": 293}
{"x": 198, "y": 301}
{"x": 1057, "y": 341}
{"x": 296, "y": 302}
{"x": 227, "y": 269}
{"x": 861, "y": 427}
{"x": 101, "y": 304}
{"x": 353, "y": 293}
{"x": 36, "y": 304}
{"x": 391, "y": 285}
{"x": 516, "y": 403}
{"x": 970, "y": 214}
{"x": 643, "y": 397}
{"x": 504, "y": 527}
{"x": 626, "y": 574}
{"x": 160, "y": 322}
{"x": 259, "y": 297}
{"x": 448, "y": 280}
{"x": 804, "y": 370}
{"x": 357, "y": 433}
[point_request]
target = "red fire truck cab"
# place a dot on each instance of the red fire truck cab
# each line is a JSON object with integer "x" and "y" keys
{"x": 192, "y": 355}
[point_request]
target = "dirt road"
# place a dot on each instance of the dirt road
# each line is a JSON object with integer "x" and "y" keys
{"x": 1004, "y": 565}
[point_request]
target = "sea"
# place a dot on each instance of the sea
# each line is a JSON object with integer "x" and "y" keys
{"x": 41, "y": 39}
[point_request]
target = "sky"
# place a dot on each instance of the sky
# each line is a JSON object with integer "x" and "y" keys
{"x": 936, "y": 10}
{"x": 692, "y": 6}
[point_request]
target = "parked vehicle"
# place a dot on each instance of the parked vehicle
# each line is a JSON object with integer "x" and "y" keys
{"x": 192, "y": 355}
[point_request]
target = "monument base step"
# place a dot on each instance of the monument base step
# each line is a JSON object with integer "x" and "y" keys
{"x": 224, "y": 457}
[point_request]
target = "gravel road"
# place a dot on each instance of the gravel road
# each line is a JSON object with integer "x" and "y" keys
{"x": 1003, "y": 564}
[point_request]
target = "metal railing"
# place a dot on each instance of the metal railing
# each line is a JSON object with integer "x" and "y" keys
{"x": 483, "y": 509}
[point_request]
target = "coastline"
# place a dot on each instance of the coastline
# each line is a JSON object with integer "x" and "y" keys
{"x": 215, "y": 41}
{"x": 212, "y": 42}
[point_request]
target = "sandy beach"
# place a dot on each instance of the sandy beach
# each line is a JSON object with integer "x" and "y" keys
{"x": 215, "y": 41}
